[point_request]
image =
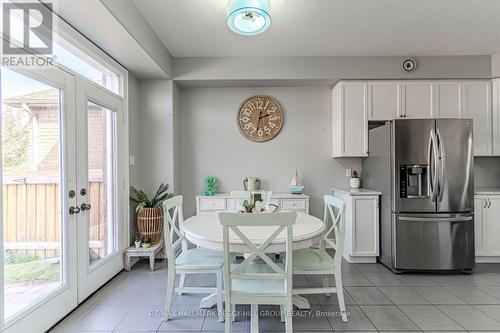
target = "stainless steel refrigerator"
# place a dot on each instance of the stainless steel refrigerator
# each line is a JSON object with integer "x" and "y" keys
{"x": 425, "y": 171}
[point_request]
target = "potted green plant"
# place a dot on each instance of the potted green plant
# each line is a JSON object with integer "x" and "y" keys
{"x": 150, "y": 212}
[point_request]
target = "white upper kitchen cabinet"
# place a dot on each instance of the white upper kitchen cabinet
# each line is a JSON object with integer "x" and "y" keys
{"x": 477, "y": 105}
{"x": 384, "y": 100}
{"x": 496, "y": 117}
{"x": 418, "y": 99}
{"x": 448, "y": 99}
{"x": 350, "y": 119}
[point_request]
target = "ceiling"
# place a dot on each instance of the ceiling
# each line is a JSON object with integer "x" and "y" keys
{"x": 197, "y": 28}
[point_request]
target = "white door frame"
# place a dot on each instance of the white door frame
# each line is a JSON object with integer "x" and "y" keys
{"x": 64, "y": 298}
{"x": 90, "y": 278}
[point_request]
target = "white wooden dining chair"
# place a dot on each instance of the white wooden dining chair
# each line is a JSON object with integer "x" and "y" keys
{"x": 317, "y": 261}
{"x": 182, "y": 260}
{"x": 255, "y": 281}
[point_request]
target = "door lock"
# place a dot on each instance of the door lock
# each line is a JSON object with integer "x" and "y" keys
{"x": 85, "y": 206}
{"x": 74, "y": 210}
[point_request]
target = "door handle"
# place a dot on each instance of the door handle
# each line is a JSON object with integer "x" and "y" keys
{"x": 442, "y": 162}
{"x": 433, "y": 160}
{"x": 485, "y": 204}
{"x": 435, "y": 219}
{"x": 489, "y": 203}
{"x": 74, "y": 210}
{"x": 85, "y": 206}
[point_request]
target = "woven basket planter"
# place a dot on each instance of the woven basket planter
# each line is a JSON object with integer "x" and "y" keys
{"x": 150, "y": 224}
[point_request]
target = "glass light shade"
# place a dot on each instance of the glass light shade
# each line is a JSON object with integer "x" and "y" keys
{"x": 249, "y": 17}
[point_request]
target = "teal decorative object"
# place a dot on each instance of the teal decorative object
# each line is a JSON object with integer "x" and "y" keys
{"x": 211, "y": 185}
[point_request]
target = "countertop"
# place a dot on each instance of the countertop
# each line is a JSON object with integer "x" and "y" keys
{"x": 355, "y": 191}
{"x": 487, "y": 190}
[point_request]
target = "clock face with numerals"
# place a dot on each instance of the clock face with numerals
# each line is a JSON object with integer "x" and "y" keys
{"x": 260, "y": 118}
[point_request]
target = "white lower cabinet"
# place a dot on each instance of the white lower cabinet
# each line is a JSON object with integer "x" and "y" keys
{"x": 487, "y": 228}
{"x": 362, "y": 225}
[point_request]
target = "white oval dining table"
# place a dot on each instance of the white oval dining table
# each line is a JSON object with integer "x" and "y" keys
{"x": 204, "y": 230}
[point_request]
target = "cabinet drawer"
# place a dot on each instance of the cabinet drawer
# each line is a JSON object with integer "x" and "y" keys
{"x": 293, "y": 204}
{"x": 275, "y": 202}
{"x": 212, "y": 204}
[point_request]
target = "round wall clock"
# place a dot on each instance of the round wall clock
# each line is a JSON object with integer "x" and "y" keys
{"x": 260, "y": 118}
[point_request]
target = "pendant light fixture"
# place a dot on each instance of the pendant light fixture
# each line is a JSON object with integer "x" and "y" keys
{"x": 249, "y": 17}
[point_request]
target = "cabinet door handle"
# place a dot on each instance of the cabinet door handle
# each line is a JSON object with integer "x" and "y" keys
{"x": 489, "y": 203}
{"x": 485, "y": 203}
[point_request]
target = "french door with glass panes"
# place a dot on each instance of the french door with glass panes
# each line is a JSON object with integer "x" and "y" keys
{"x": 38, "y": 170}
{"x": 60, "y": 204}
{"x": 98, "y": 114}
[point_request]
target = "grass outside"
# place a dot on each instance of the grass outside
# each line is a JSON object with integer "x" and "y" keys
{"x": 24, "y": 268}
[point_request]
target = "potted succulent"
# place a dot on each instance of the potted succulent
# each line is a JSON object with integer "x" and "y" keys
{"x": 146, "y": 243}
{"x": 150, "y": 212}
{"x": 355, "y": 182}
{"x": 137, "y": 241}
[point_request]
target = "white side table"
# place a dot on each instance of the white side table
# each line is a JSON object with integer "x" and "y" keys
{"x": 150, "y": 252}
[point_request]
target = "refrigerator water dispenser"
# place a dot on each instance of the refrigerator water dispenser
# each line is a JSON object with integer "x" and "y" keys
{"x": 414, "y": 181}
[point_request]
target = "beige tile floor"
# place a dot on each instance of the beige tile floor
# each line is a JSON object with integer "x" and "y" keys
{"x": 377, "y": 300}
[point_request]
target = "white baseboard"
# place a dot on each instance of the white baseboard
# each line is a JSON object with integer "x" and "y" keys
{"x": 360, "y": 260}
{"x": 487, "y": 259}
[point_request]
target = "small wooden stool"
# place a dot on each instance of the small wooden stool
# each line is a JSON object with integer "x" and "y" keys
{"x": 150, "y": 252}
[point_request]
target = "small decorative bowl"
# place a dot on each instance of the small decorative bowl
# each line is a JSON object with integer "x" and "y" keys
{"x": 297, "y": 189}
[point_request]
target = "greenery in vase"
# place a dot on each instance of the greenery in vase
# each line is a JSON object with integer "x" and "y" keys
{"x": 141, "y": 200}
{"x": 211, "y": 185}
{"x": 247, "y": 206}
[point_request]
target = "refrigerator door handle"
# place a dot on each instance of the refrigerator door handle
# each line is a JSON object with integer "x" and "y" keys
{"x": 433, "y": 160}
{"x": 435, "y": 219}
{"x": 442, "y": 162}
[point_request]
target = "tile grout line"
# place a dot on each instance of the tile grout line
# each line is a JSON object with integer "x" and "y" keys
{"x": 474, "y": 306}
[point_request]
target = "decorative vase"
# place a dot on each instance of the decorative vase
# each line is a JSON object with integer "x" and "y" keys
{"x": 355, "y": 183}
{"x": 137, "y": 244}
{"x": 150, "y": 224}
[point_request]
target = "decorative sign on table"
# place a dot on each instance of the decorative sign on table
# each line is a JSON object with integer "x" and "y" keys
{"x": 260, "y": 118}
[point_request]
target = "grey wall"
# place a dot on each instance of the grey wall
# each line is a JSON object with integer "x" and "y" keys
{"x": 205, "y": 71}
{"x": 487, "y": 172}
{"x": 154, "y": 138}
{"x": 495, "y": 65}
{"x": 133, "y": 120}
{"x": 211, "y": 144}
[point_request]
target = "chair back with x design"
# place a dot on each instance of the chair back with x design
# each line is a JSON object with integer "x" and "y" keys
{"x": 173, "y": 217}
{"x": 238, "y": 223}
{"x": 334, "y": 221}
